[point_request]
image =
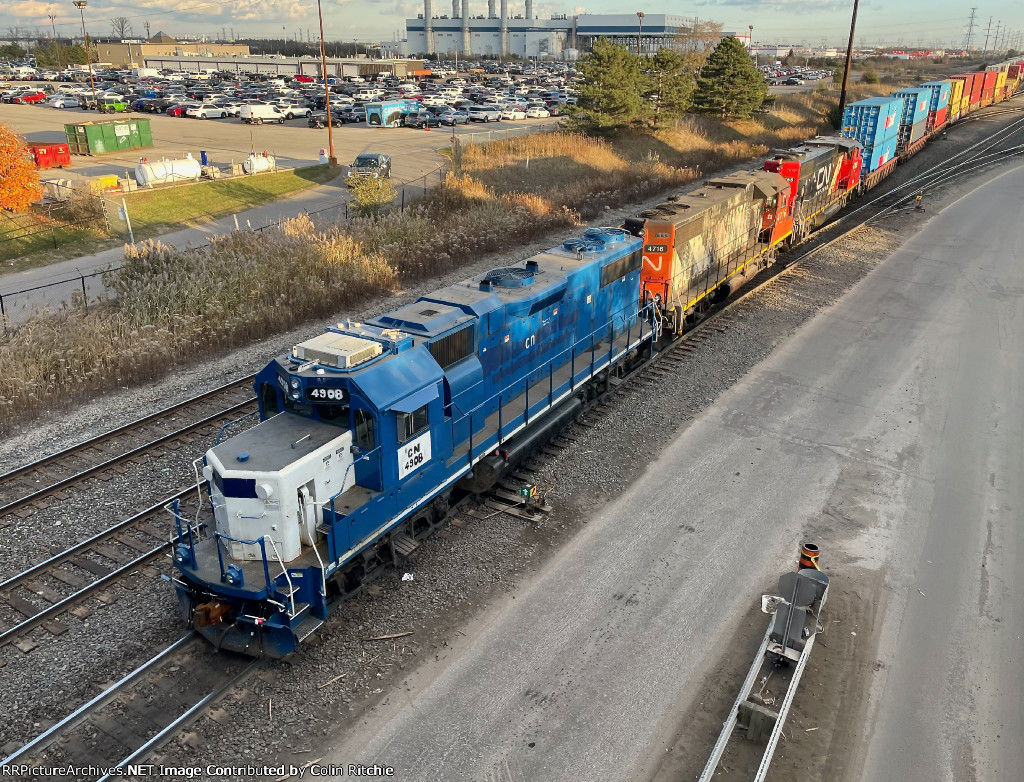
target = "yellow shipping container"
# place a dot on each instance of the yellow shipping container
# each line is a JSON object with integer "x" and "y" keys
{"x": 956, "y": 92}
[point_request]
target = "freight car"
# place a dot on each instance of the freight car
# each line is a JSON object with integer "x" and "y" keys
{"x": 370, "y": 430}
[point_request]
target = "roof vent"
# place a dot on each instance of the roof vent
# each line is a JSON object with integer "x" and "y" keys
{"x": 587, "y": 244}
{"x": 606, "y": 235}
{"x": 510, "y": 277}
{"x": 427, "y": 312}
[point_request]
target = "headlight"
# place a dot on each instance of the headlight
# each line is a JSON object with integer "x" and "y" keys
{"x": 295, "y": 383}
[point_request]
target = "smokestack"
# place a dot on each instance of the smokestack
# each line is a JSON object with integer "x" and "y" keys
{"x": 503, "y": 46}
{"x": 529, "y": 9}
{"x": 455, "y": 9}
{"x": 465, "y": 29}
{"x": 490, "y": 9}
{"x": 428, "y": 28}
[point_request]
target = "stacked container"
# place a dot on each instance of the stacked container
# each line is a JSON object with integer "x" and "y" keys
{"x": 938, "y": 107}
{"x": 1001, "y": 86}
{"x": 988, "y": 89}
{"x": 914, "y": 117}
{"x": 956, "y": 91}
{"x": 875, "y": 123}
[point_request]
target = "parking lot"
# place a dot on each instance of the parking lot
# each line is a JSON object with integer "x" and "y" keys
{"x": 413, "y": 152}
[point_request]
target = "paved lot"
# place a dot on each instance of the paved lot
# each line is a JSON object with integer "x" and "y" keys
{"x": 231, "y": 140}
{"x": 890, "y": 424}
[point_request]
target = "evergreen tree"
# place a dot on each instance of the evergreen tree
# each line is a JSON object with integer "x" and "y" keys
{"x": 729, "y": 85}
{"x": 670, "y": 85}
{"x": 610, "y": 95}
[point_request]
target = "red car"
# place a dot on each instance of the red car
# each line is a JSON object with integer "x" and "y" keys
{"x": 178, "y": 110}
{"x": 304, "y": 78}
{"x": 30, "y": 97}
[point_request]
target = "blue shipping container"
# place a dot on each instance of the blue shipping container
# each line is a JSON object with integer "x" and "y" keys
{"x": 872, "y": 121}
{"x": 940, "y": 94}
{"x": 877, "y": 156}
{"x": 915, "y": 104}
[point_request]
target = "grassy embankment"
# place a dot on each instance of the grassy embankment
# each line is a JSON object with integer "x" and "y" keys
{"x": 174, "y": 305}
{"x": 152, "y": 212}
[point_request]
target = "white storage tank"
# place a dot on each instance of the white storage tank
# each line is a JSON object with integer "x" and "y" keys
{"x": 258, "y": 164}
{"x": 164, "y": 171}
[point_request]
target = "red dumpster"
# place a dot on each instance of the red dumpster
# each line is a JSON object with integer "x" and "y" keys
{"x": 50, "y": 155}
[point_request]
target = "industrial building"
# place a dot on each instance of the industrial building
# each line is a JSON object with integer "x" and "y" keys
{"x": 286, "y": 66}
{"x": 130, "y": 54}
{"x": 560, "y": 37}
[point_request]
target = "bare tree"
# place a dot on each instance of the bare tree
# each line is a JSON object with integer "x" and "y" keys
{"x": 698, "y": 41}
{"x": 121, "y": 27}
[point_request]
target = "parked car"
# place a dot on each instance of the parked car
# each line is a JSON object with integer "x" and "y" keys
{"x": 29, "y": 97}
{"x": 63, "y": 102}
{"x": 453, "y": 117}
{"x": 178, "y": 109}
{"x": 421, "y": 119}
{"x": 513, "y": 113}
{"x": 318, "y": 119}
{"x": 233, "y": 109}
{"x": 793, "y": 80}
{"x": 352, "y": 114}
{"x": 535, "y": 112}
{"x": 303, "y": 78}
{"x": 485, "y": 113}
{"x": 206, "y": 111}
{"x": 369, "y": 164}
{"x": 112, "y": 104}
{"x": 257, "y": 114}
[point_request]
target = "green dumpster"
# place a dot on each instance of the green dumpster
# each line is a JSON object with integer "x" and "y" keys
{"x": 101, "y": 138}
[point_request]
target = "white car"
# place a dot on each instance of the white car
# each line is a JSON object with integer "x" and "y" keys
{"x": 537, "y": 113}
{"x": 485, "y": 113}
{"x": 205, "y": 112}
{"x": 513, "y": 113}
{"x": 63, "y": 102}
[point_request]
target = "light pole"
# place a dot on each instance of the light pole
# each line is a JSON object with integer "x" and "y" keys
{"x": 639, "y": 31}
{"x": 751, "y": 44}
{"x": 80, "y": 5}
{"x": 56, "y": 43}
{"x": 332, "y": 160}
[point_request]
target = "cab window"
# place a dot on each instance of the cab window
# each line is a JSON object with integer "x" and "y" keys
{"x": 268, "y": 398}
{"x": 363, "y": 425}
{"x": 333, "y": 414}
{"x": 411, "y": 424}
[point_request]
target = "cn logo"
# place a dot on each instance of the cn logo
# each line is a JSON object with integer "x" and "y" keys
{"x": 654, "y": 266}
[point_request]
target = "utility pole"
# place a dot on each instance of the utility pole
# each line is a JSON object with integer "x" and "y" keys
{"x": 995, "y": 41}
{"x": 147, "y": 31}
{"x": 639, "y": 31}
{"x": 332, "y": 160}
{"x": 80, "y": 5}
{"x": 849, "y": 63}
{"x": 56, "y": 43}
{"x": 970, "y": 30}
{"x": 988, "y": 32}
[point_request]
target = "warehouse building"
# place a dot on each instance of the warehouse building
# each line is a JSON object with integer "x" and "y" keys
{"x": 129, "y": 55}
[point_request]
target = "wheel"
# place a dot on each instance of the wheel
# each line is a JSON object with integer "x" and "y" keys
{"x": 280, "y": 121}
{"x": 259, "y": 120}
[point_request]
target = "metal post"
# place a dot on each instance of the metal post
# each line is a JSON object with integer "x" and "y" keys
{"x": 85, "y": 296}
{"x": 56, "y": 43}
{"x": 639, "y": 31}
{"x": 849, "y": 62}
{"x": 128, "y": 220}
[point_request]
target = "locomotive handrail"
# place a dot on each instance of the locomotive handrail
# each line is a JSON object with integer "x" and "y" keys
{"x": 218, "y": 536}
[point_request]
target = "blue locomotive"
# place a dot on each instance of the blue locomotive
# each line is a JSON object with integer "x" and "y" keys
{"x": 367, "y": 429}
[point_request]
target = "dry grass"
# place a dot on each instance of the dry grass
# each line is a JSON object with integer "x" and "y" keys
{"x": 174, "y": 305}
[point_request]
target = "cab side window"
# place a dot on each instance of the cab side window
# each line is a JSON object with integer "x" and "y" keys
{"x": 412, "y": 424}
{"x": 363, "y": 424}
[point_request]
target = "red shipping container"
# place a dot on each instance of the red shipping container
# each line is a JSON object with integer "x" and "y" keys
{"x": 936, "y": 119}
{"x": 61, "y": 155}
{"x": 990, "y": 80}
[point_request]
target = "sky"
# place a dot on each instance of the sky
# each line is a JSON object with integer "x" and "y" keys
{"x": 911, "y": 23}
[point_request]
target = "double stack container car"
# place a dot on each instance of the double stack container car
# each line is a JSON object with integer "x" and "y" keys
{"x": 875, "y": 123}
{"x": 938, "y": 106}
{"x": 914, "y": 118}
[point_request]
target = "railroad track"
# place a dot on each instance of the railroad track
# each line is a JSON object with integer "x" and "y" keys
{"x": 40, "y": 595}
{"x": 43, "y": 482}
{"x": 132, "y": 717}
